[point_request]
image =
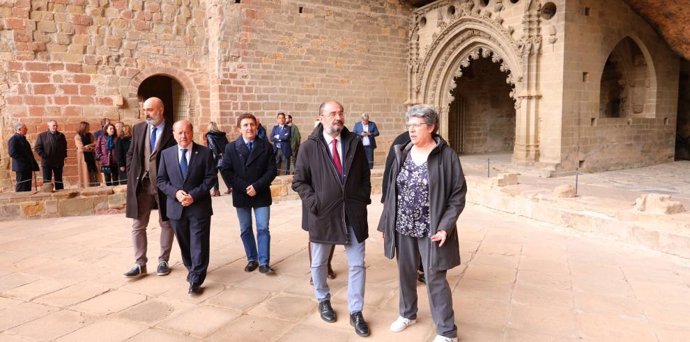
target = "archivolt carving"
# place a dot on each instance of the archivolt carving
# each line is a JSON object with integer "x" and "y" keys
{"x": 474, "y": 54}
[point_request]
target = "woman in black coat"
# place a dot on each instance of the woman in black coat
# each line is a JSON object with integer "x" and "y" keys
{"x": 216, "y": 140}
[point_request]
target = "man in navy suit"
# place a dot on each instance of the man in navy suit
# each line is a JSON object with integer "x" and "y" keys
{"x": 249, "y": 166}
{"x": 367, "y": 131}
{"x": 280, "y": 137}
{"x": 186, "y": 174}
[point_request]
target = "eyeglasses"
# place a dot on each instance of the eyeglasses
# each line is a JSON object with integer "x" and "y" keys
{"x": 333, "y": 114}
{"x": 415, "y": 125}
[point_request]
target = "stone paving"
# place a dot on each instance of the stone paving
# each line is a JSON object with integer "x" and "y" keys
{"x": 521, "y": 280}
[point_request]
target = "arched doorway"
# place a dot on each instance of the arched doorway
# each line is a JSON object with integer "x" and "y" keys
{"x": 481, "y": 117}
{"x": 174, "y": 96}
{"x": 626, "y": 84}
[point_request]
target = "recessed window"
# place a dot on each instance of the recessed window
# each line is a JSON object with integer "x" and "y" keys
{"x": 237, "y": 1}
{"x": 301, "y": 9}
{"x": 548, "y": 11}
{"x": 585, "y": 76}
{"x": 451, "y": 10}
{"x": 586, "y": 11}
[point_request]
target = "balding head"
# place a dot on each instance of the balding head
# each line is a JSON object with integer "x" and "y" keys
{"x": 183, "y": 132}
{"x": 154, "y": 108}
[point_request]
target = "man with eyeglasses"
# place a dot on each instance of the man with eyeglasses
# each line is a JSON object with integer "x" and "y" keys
{"x": 332, "y": 179}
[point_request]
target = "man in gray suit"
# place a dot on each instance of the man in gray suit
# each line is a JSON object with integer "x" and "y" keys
{"x": 148, "y": 140}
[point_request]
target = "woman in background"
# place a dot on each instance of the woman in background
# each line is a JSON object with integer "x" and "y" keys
{"x": 86, "y": 158}
{"x": 105, "y": 151}
{"x": 124, "y": 140}
{"x": 216, "y": 141}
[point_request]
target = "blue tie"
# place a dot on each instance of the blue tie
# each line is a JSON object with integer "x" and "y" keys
{"x": 183, "y": 162}
{"x": 249, "y": 146}
{"x": 153, "y": 138}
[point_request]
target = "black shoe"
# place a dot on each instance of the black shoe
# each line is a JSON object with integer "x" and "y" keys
{"x": 267, "y": 270}
{"x": 194, "y": 289}
{"x": 357, "y": 321}
{"x": 163, "y": 268}
{"x": 326, "y": 311}
{"x": 251, "y": 266}
{"x": 136, "y": 271}
{"x": 420, "y": 277}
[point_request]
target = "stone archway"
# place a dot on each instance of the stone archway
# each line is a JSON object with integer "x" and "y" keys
{"x": 183, "y": 94}
{"x": 467, "y": 33}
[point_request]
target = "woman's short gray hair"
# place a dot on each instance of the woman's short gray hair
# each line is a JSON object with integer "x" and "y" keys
{"x": 425, "y": 112}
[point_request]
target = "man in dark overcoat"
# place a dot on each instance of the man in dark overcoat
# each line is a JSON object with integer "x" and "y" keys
{"x": 332, "y": 179}
{"x": 23, "y": 161}
{"x": 148, "y": 139}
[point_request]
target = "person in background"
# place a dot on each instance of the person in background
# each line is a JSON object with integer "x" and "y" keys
{"x": 334, "y": 207}
{"x": 280, "y": 137}
{"x": 51, "y": 146}
{"x": 368, "y": 132}
{"x": 23, "y": 161}
{"x": 186, "y": 175}
{"x": 425, "y": 196}
{"x": 216, "y": 141}
{"x": 101, "y": 129}
{"x": 105, "y": 152}
{"x": 86, "y": 156}
{"x": 249, "y": 166}
{"x": 295, "y": 139}
{"x": 124, "y": 141}
{"x": 260, "y": 130}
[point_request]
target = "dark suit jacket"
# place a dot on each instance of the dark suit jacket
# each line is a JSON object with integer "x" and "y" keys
{"x": 135, "y": 165}
{"x": 283, "y": 141}
{"x": 201, "y": 176}
{"x": 242, "y": 169}
{"x": 373, "y": 130}
{"x": 52, "y": 148}
{"x": 23, "y": 160}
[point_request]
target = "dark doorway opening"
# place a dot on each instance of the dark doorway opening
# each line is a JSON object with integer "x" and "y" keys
{"x": 683, "y": 122}
{"x": 170, "y": 91}
{"x": 482, "y": 115}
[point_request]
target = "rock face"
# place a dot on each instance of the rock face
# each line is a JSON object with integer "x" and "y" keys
{"x": 670, "y": 18}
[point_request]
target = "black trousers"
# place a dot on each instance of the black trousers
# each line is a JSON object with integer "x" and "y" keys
{"x": 23, "y": 181}
{"x": 193, "y": 235}
{"x": 49, "y": 172}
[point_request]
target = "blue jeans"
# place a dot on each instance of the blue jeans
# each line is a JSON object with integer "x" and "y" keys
{"x": 263, "y": 236}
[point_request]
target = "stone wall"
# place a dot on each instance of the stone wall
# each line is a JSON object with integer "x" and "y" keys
{"x": 645, "y": 136}
{"x": 83, "y": 60}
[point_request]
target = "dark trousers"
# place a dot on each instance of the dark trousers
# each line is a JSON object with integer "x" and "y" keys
{"x": 438, "y": 291}
{"x": 369, "y": 152}
{"x": 282, "y": 162}
{"x": 23, "y": 181}
{"x": 49, "y": 172}
{"x": 193, "y": 236}
{"x": 112, "y": 177}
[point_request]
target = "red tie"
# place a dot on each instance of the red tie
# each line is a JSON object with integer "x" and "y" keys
{"x": 336, "y": 158}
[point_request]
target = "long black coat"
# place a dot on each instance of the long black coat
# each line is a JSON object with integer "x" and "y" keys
{"x": 447, "y": 190}
{"x": 242, "y": 168}
{"x": 23, "y": 160}
{"x": 52, "y": 148}
{"x": 328, "y": 203}
{"x": 135, "y": 165}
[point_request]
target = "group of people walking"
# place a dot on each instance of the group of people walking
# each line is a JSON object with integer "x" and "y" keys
{"x": 424, "y": 194}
